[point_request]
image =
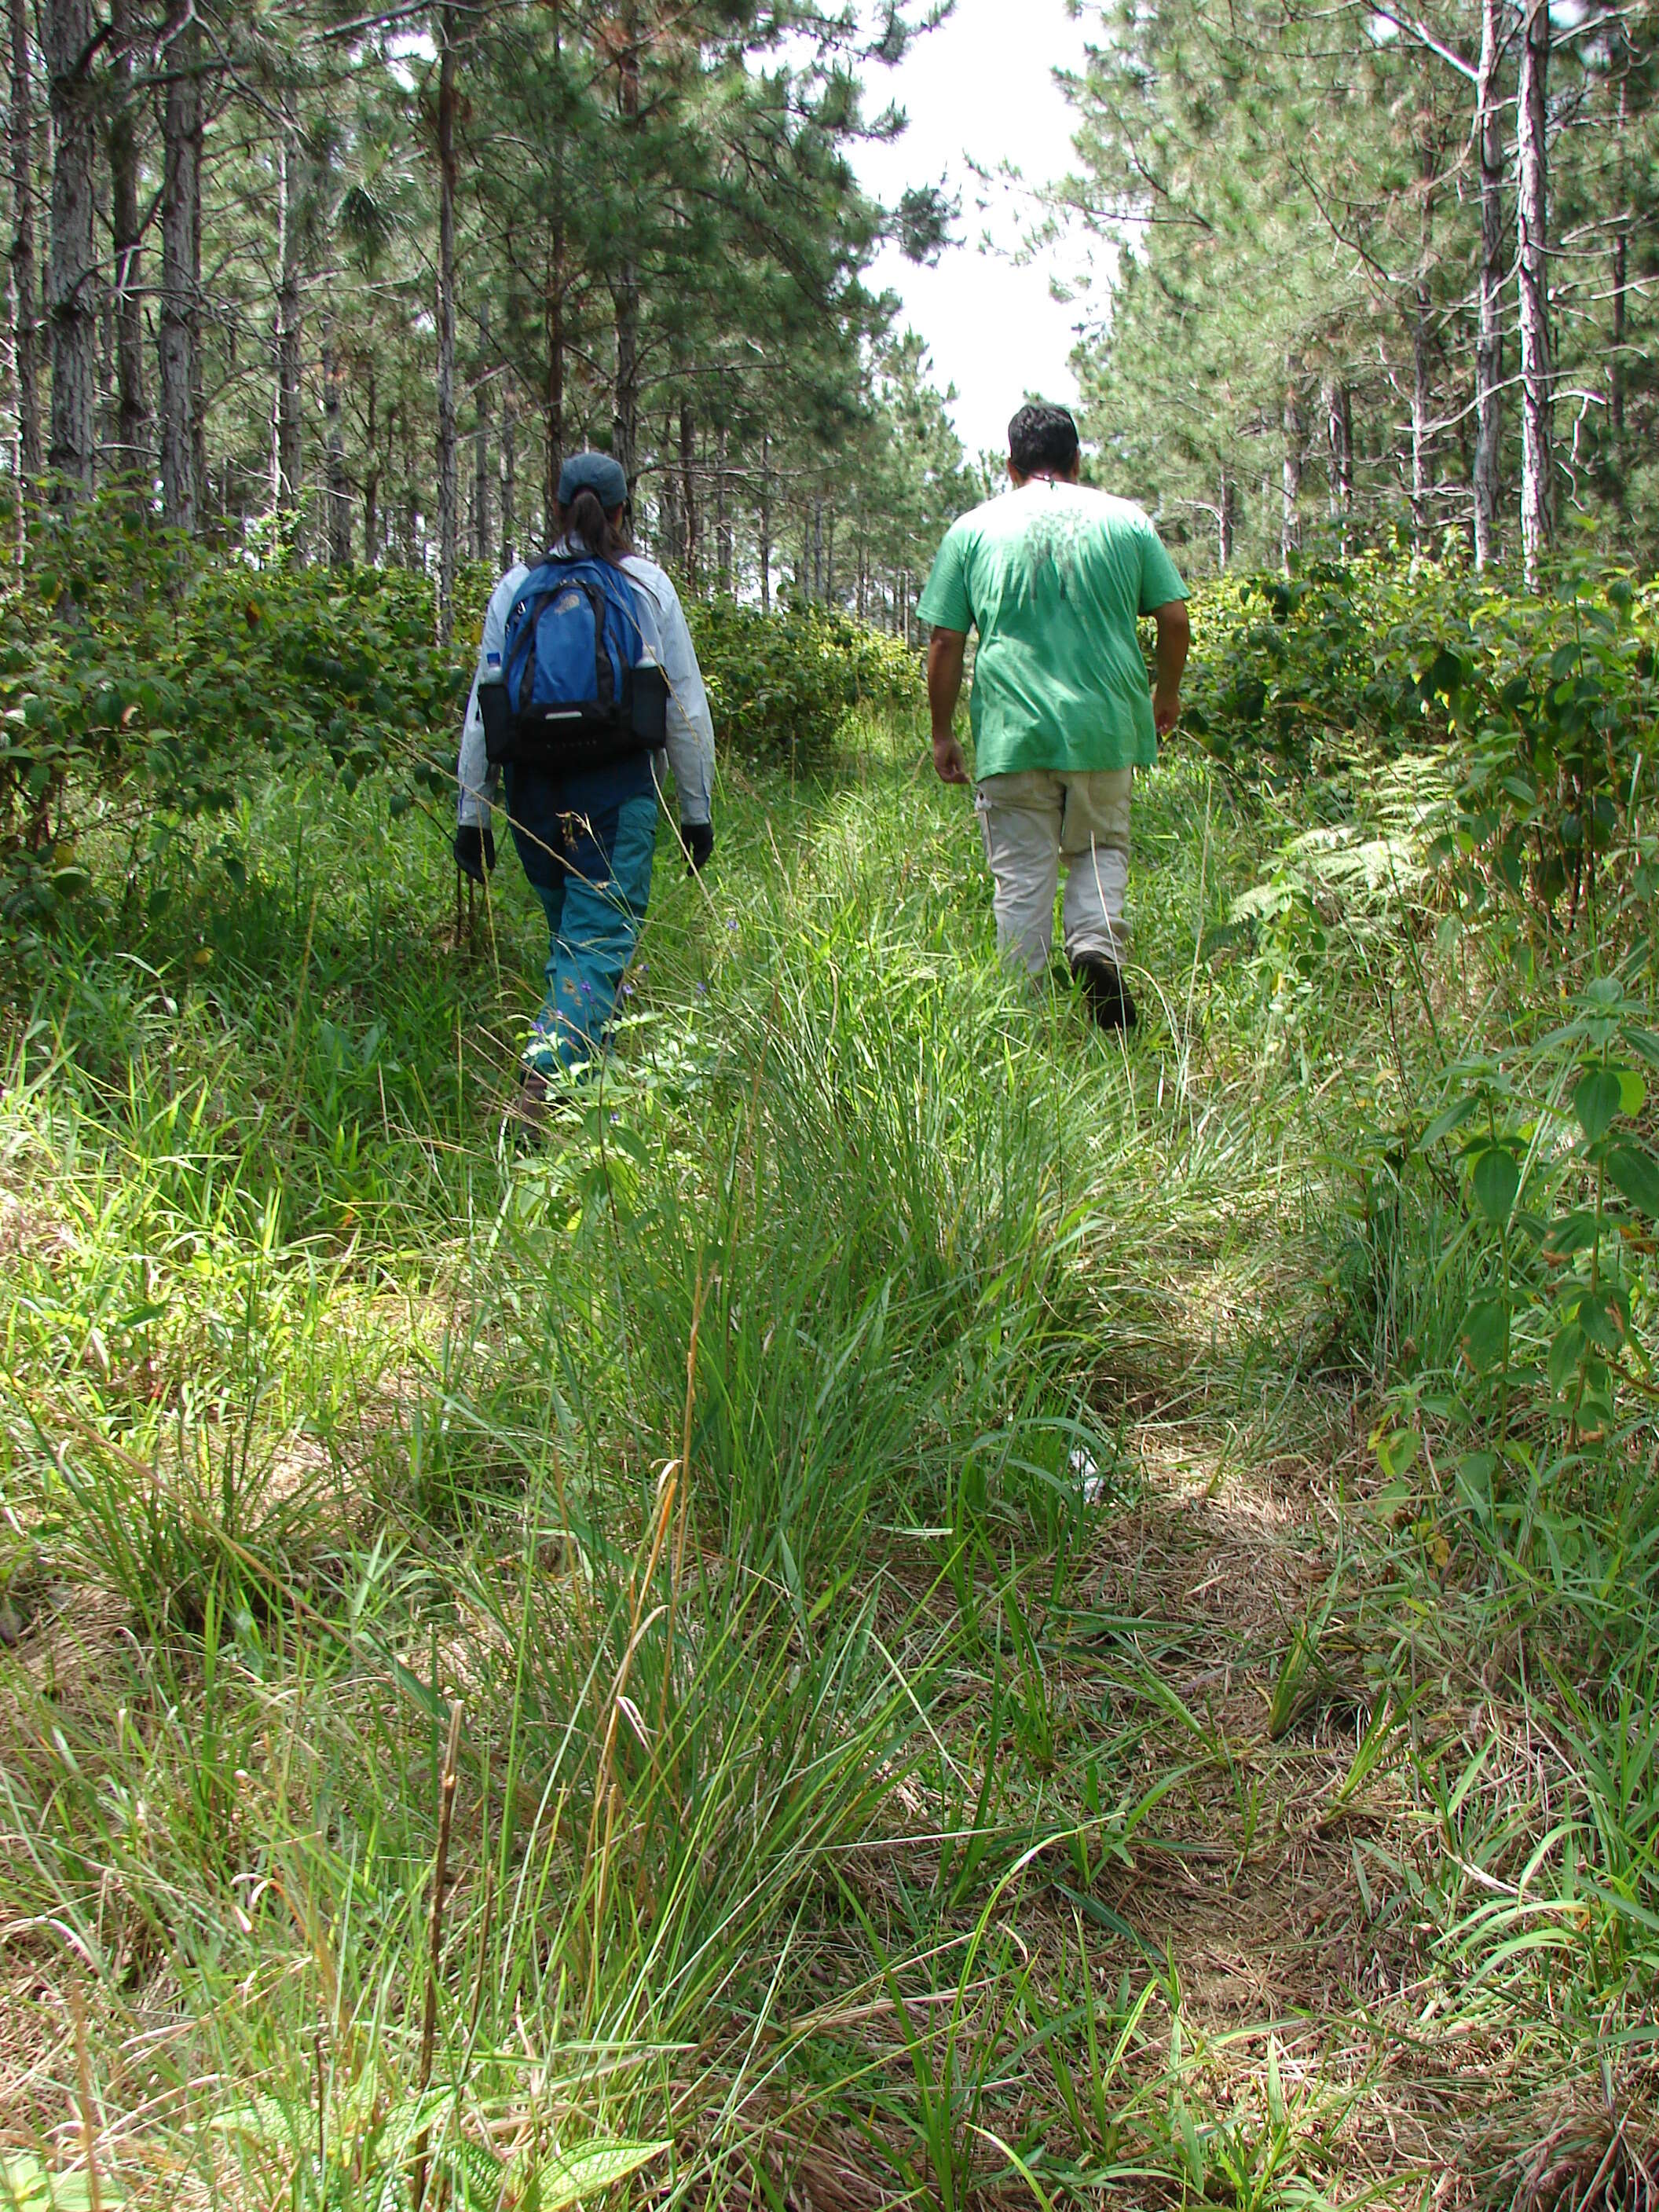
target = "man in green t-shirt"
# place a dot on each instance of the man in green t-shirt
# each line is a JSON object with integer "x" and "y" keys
{"x": 1054, "y": 577}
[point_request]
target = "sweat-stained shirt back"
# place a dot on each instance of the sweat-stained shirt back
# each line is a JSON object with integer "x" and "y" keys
{"x": 1053, "y": 576}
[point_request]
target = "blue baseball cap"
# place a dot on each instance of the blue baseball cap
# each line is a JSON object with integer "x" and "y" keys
{"x": 593, "y": 472}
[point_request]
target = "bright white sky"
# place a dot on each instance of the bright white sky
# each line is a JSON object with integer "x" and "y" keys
{"x": 982, "y": 84}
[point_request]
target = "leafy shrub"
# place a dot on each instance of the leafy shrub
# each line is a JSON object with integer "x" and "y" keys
{"x": 1545, "y": 705}
{"x": 133, "y": 664}
{"x": 781, "y": 685}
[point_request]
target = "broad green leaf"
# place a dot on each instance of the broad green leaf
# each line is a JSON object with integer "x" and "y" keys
{"x": 1495, "y": 1182}
{"x": 1636, "y": 1173}
{"x": 1485, "y": 1334}
{"x": 588, "y": 2170}
{"x": 27, "y": 2184}
{"x": 1454, "y": 1117}
{"x": 1632, "y": 1092}
{"x": 1567, "y": 1348}
{"x": 1573, "y": 1232}
{"x": 1596, "y": 1100}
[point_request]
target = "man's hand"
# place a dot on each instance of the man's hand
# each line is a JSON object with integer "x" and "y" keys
{"x": 475, "y": 851}
{"x": 948, "y": 759}
{"x": 1175, "y": 634}
{"x": 946, "y": 651}
{"x": 698, "y": 839}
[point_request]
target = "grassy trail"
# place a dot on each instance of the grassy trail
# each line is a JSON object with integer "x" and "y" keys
{"x": 845, "y": 1810}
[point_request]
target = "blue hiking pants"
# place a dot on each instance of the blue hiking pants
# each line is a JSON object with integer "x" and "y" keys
{"x": 586, "y": 842}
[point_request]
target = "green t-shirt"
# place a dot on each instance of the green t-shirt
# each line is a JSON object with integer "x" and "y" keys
{"x": 1053, "y": 577}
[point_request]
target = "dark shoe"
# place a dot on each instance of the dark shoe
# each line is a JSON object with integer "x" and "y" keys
{"x": 527, "y": 1110}
{"x": 1106, "y": 991}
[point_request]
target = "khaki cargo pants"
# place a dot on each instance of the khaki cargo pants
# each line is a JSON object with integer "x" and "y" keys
{"x": 1032, "y": 821}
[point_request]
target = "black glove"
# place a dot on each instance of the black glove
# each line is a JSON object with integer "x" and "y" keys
{"x": 698, "y": 839}
{"x": 475, "y": 851}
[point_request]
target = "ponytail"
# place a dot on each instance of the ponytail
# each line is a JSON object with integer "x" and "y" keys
{"x": 585, "y": 519}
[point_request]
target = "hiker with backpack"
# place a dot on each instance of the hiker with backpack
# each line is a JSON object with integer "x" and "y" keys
{"x": 587, "y": 685}
{"x": 1055, "y": 577}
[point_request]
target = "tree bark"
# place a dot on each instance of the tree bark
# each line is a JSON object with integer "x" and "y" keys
{"x": 1226, "y": 516}
{"x": 764, "y": 548}
{"x": 1489, "y": 340}
{"x": 509, "y": 480}
{"x": 1339, "y": 429}
{"x": 371, "y": 471}
{"x": 446, "y": 470}
{"x": 132, "y": 412}
{"x": 625, "y": 285}
{"x": 1620, "y": 251}
{"x": 1532, "y": 195}
{"x": 1422, "y": 424}
{"x": 482, "y": 408}
{"x": 723, "y": 546}
{"x": 26, "y": 280}
{"x": 337, "y": 490}
{"x": 181, "y": 263}
{"x": 553, "y": 393}
{"x": 673, "y": 536}
{"x": 691, "y": 527}
{"x": 289, "y": 454}
{"x": 1295, "y": 439}
{"x": 72, "y": 273}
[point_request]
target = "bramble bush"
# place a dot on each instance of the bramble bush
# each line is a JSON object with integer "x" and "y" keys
{"x": 1545, "y": 704}
{"x": 781, "y": 685}
{"x": 141, "y": 674}
{"x": 138, "y": 670}
{"x": 1484, "y": 758}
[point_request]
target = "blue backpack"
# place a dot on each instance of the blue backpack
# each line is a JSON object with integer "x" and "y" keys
{"x": 575, "y": 690}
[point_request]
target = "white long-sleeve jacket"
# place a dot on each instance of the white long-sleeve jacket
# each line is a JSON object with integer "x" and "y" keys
{"x": 667, "y": 640}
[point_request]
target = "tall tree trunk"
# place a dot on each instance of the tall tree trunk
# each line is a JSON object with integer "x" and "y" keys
{"x": 483, "y": 408}
{"x": 446, "y": 470}
{"x": 1422, "y": 424}
{"x": 553, "y": 394}
{"x": 72, "y": 272}
{"x": 509, "y": 479}
{"x": 338, "y": 491}
{"x": 690, "y": 523}
{"x": 1532, "y": 197}
{"x": 288, "y": 477}
{"x": 625, "y": 285}
{"x": 829, "y": 558}
{"x": 1295, "y": 439}
{"x": 371, "y": 472}
{"x": 1226, "y": 518}
{"x": 1489, "y": 340}
{"x": 764, "y": 548}
{"x": 26, "y": 280}
{"x": 132, "y": 414}
{"x": 1620, "y": 252}
{"x": 723, "y": 548}
{"x": 181, "y": 262}
{"x": 1339, "y": 430}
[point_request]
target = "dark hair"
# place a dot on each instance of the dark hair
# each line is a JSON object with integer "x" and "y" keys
{"x": 586, "y": 518}
{"x": 1042, "y": 437}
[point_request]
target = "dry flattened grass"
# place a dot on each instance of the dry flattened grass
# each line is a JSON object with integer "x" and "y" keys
{"x": 1270, "y": 1921}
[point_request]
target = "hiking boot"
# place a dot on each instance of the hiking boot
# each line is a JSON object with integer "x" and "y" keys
{"x": 528, "y": 1108}
{"x": 1106, "y": 991}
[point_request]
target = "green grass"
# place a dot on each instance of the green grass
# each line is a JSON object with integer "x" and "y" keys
{"x": 840, "y": 1805}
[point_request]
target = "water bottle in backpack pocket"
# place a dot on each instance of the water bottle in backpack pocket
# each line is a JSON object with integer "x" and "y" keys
{"x": 575, "y": 690}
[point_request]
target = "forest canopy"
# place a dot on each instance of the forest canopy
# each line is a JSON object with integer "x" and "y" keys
{"x": 1386, "y": 272}
{"x": 352, "y": 280}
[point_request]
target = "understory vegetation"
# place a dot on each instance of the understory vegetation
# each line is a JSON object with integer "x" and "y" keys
{"x": 915, "y": 1605}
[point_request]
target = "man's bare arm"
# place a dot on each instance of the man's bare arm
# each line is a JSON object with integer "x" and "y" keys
{"x": 947, "y": 650}
{"x": 1175, "y": 635}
